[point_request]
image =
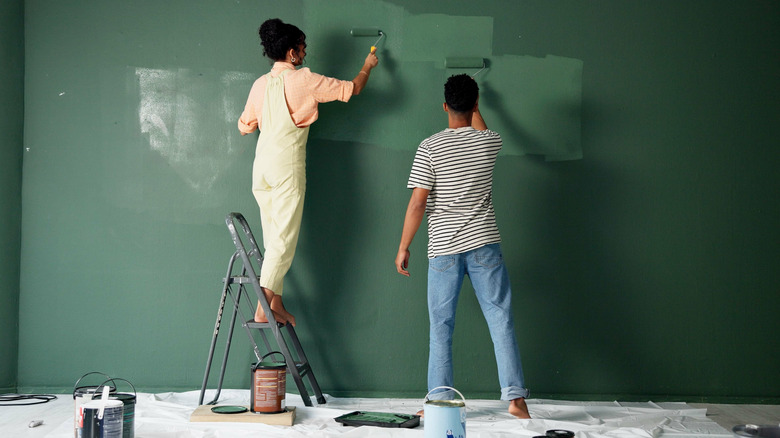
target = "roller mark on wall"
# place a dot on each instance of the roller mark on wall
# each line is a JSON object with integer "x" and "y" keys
{"x": 235, "y": 86}
{"x": 196, "y": 143}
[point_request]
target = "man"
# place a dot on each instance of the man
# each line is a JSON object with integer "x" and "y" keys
{"x": 452, "y": 179}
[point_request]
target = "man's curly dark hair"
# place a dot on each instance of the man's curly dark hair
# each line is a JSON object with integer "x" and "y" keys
{"x": 277, "y": 37}
{"x": 461, "y": 93}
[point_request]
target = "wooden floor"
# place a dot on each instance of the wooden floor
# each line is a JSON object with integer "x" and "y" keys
{"x": 728, "y": 416}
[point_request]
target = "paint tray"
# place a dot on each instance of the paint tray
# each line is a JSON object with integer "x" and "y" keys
{"x": 379, "y": 419}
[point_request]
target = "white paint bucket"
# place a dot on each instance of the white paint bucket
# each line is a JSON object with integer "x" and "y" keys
{"x": 85, "y": 394}
{"x": 445, "y": 418}
{"x": 101, "y": 418}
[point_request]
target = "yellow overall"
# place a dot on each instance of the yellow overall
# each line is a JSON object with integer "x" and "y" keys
{"x": 279, "y": 183}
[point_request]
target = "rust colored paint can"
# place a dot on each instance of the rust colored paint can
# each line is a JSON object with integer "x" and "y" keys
{"x": 269, "y": 385}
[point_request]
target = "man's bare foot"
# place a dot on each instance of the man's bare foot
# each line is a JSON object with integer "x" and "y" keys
{"x": 519, "y": 409}
{"x": 421, "y": 412}
{"x": 277, "y": 306}
{"x": 260, "y": 314}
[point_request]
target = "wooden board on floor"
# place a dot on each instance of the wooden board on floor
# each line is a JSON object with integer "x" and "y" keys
{"x": 203, "y": 414}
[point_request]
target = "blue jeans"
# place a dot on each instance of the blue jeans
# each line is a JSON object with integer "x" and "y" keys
{"x": 485, "y": 267}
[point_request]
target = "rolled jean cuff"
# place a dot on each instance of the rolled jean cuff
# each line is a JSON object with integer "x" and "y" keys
{"x": 513, "y": 392}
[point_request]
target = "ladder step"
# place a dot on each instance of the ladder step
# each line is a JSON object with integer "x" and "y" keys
{"x": 303, "y": 367}
{"x": 261, "y": 325}
{"x": 238, "y": 279}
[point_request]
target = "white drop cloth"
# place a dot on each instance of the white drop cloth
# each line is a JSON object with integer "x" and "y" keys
{"x": 166, "y": 415}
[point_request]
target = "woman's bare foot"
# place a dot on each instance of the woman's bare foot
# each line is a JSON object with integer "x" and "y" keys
{"x": 260, "y": 314}
{"x": 519, "y": 409}
{"x": 277, "y": 306}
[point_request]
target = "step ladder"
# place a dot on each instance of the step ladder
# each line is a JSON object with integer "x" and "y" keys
{"x": 238, "y": 279}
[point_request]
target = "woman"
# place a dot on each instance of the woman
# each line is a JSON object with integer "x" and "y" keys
{"x": 283, "y": 104}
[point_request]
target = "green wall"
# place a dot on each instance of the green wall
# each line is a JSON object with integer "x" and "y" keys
{"x": 11, "y": 143}
{"x": 636, "y": 195}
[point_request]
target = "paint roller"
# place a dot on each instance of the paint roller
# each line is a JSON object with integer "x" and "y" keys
{"x": 465, "y": 62}
{"x": 368, "y": 31}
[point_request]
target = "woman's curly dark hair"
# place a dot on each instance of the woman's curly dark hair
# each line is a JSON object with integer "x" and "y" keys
{"x": 277, "y": 37}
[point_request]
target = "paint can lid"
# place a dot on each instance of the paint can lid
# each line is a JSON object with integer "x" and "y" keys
{"x": 559, "y": 433}
{"x": 229, "y": 409}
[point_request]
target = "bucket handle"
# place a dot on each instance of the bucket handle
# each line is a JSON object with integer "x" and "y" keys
{"x": 444, "y": 387}
{"x": 274, "y": 352}
{"x": 76, "y": 385}
{"x": 114, "y": 379}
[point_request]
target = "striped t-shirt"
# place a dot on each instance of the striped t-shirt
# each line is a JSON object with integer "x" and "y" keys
{"x": 456, "y": 165}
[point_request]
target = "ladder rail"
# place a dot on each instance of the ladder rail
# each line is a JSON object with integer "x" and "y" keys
{"x": 217, "y": 325}
{"x": 248, "y": 266}
{"x": 223, "y": 367}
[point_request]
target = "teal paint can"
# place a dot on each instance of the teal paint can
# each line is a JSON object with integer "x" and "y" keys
{"x": 128, "y": 403}
{"x": 444, "y": 418}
